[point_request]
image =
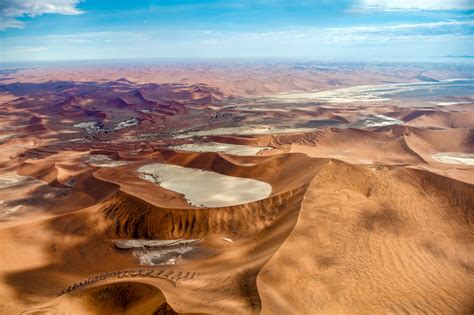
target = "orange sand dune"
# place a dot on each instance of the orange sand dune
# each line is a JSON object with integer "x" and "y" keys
{"x": 439, "y": 119}
{"x": 402, "y": 242}
{"x": 125, "y": 216}
{"x": 367, "y": 207}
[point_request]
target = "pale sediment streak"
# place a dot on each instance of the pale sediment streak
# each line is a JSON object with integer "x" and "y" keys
{"x": 454, "y": 158}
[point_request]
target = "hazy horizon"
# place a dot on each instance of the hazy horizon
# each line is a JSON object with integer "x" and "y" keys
{"x": 444, "y": 60}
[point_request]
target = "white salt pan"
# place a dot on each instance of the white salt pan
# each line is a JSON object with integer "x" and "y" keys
{"x": 102, "y": 160}
{"x": 204, "y": 188}
{"x": 244, "y": 130}
{"x": 87, "y": 124}
{"x": 158, "y": 252}
{"x": 234, "y": 149}
{"x": 454, "y": 158}
{"x": 126, "y": 123}
{"x": 11, "y": 179}
{"x": 377, "y": 121}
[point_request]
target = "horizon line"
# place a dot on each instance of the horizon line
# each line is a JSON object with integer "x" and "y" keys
{"x": 378, "y": 59}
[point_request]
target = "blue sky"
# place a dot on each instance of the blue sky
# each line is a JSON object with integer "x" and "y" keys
{"x": 382, "y": 30}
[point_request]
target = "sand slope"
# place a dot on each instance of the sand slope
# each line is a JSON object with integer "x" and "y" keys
{"x": 375, "y": 240}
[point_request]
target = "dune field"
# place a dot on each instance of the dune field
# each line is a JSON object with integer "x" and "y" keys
{"x": 237, "y": 189}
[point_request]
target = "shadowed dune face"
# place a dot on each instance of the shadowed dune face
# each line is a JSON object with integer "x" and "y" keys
{"x": 119, "y": 298}
{"x": 144, "y": 196}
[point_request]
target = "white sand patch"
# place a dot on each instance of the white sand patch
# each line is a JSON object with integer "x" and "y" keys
{"x": 126, "y": 123}
{"x": 243, "y": 130}
{"x": 137, "y": 243}
{"x": 158, "y": 252}
{"x": 162, "y": 256}
{"x": 454, "y": 158}
{"x": 102, "y": 160}
{"x": 7, "y": 137}
{"x": 86, "y": 124}
{"x": 4, "y": 138}
{"x": 7, "y": 212}
{"x": 89, "y": 126}
{"x": 204, "y": 188}
{"x": 262, "y": 109}
{"x": 78, "y": 140}
{"x": 234, "y": 149}
{"x": 11, "y": 179}
{"x": 66, "y": 131}
{"x": 376, "y": 121}
{"x": 449, "y": 103}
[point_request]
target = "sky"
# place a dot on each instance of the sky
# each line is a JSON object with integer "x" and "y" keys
{"x": 349, "y": 30}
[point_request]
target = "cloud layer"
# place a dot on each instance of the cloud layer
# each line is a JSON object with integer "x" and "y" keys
{"x": 415, "y": 5}
{"x": 11, "y": 10}
{"x": 417, "y": 29}
{"x": 403, "y": 40}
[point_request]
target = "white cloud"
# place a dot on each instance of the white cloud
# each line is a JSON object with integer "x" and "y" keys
{"x": 10, "y": 23}
{"x": 10, "y": 10}
{"x": 403, "y": 27}
{"x": 415, "y": 5}
{"x": 21, "y": 49}
{"x": 90, "y": 37}
{"x": 447, "y": 37}
{"x": 360, "y": 33}
{"x": 372, "y": 33}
